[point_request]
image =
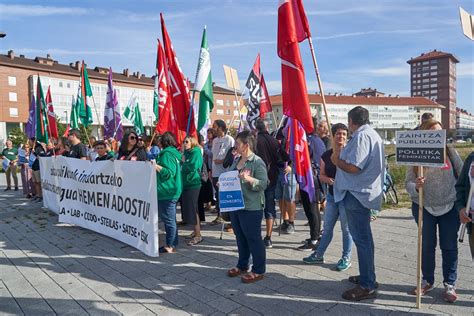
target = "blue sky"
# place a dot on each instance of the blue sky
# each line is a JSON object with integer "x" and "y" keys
{"x": 359, "y": 44}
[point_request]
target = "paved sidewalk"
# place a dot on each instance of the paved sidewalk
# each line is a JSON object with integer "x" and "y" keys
{"x": 52, "y": 268}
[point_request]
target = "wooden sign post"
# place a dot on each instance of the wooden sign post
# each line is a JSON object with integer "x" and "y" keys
{"x": 421, "y": 148}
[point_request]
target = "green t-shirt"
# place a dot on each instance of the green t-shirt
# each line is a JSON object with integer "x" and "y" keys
{"x": 10, "y": 154}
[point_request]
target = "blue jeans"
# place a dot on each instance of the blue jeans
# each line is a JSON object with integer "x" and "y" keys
{"x": 331, "y": 214}
{"x": 270, "y": 210}
{"x": 448, "y": 242}
{"x": 247, "y": 227}
{"x": 167, "y": 212}
{"x": 358, "y": 220}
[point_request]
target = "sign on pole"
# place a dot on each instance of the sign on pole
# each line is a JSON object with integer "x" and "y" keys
{"x": 230, "y": 192}
{"x": 231, "y": 78}
{"x": 421, "y": 148}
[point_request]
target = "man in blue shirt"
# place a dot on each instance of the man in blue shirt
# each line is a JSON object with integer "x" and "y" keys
{"x": 358, "y": 184}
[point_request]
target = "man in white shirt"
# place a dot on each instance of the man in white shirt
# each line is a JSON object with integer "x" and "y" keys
{"x": 220, "y": 146}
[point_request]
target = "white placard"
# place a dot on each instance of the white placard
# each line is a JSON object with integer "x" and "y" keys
{"x": 230, "y": 192}
{"x": 421, "y": 148}
{"x": 114, "y": 198}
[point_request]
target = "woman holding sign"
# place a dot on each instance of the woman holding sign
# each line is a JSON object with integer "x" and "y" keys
{"x": 439, "y": 213}
{"x": 247, "y": 223}
{"x": 169, "y": 187}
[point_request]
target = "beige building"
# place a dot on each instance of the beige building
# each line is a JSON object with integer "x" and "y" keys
{"x": 18, "y": 79}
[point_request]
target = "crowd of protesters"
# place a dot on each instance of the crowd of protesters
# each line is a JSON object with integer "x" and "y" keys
{"x": 348, "y": 174}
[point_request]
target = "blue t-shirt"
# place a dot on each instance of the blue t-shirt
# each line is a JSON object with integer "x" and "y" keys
{"x": 316, "y": 148}
{"x": 365, "y": 151}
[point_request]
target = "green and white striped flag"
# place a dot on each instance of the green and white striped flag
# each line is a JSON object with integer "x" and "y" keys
{"x": 203, "y": 85}
{"x": 132, "y": 113}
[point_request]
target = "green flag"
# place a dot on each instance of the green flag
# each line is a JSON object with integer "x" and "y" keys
{"x": 132, "y": 113}
{"x": 85, "y": 91}
{"x": 203, "y": 84}
{"x": 74, "y": 118}
{"x": 41, "y": 115}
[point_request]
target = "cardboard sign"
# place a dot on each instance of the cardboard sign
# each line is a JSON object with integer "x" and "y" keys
{"x": 230, "y": 192}
{"x": 421, "y": 148}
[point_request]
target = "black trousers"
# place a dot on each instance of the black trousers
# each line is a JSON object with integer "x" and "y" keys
{"x": 311, "y": 210}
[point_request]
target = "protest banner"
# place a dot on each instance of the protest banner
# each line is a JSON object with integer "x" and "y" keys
{"x": 114, "y": 198}
{"x": 421, "y": 148}
{"x": 230, "y": 192}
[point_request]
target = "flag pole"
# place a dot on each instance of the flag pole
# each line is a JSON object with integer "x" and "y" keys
{"x": 238, "y": 103}
{"x": 191, "y": 108}
{"x": 98, "y": 118}
{"x": 311, "y": 47}
{"x": 420, "y": 240}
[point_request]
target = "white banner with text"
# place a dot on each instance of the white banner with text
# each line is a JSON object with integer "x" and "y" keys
{"x": 114, "y": 198}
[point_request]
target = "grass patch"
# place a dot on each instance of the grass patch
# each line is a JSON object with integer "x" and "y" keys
{"x": 398, "y": 173}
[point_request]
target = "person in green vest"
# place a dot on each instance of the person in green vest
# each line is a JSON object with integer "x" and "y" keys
{"x": 169, "y": 187}
{"x": 10, "y": 158}
{"x": 191, "y": 173}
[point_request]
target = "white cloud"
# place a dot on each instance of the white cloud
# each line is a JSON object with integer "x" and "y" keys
{"x": 61, "y": 52}
{"x": 465, "y": 70}
{"x": 143, "y": 17}
{"x": 364, "y": 33}
{"x": 391, "y": 71}
{"x": 240, "y": 44}
{"x": 274, "y": 86}
{"x": 18, "y": 10}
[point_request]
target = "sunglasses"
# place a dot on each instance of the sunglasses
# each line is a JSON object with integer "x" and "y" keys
{"x": 133, "y": 137}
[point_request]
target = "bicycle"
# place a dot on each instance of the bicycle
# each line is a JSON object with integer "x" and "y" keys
{"x": 389, "y": 192}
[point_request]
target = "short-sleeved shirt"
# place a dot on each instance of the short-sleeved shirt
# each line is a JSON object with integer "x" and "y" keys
{"x": 365, "y": 151}
{"x": 78, "y": 151}
{"x": 11, "y": 154}
{"x": 220, "y": 146}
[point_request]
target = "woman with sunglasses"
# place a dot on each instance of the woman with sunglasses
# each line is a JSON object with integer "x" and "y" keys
{"x": 130, "y": 148}
{"x": 169, "y": 186}
{"x": 247, "y": 223}
{"x": 191, "y": 174}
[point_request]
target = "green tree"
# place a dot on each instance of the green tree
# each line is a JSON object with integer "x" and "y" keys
{"x": 17, "y": 137}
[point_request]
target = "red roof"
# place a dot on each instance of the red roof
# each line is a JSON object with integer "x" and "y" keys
{"x": 356, "y": 100}
{"x": 435, "y": 54}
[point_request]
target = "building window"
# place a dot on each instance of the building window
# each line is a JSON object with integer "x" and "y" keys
{"x": 60, "y": 84}
{"x": 13, "y": 112}
{"x": 434, "y": 73}
{"x": 12, "y": 97}
{"x": 11, "y": 81}
{"x": 68, "y": 85}
{"x": 426, "y": 62}
{"x": 220, "y": 102}
{"x": 227, "y": 102}
{"x": 227, "y": 112}
{"x": 435, "y": 67}
{"x": 435, "y": 85}
{"x": 220, "y": 111}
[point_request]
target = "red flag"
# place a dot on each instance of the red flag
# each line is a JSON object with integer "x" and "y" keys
{"x": 179, "y": 88}
{"x": 52, "y": 124}
{"x": 265, "y": 105}
{"x": 164, "y": 94}
{"x": 293, "y": 28}
{"x": 299, "y": 155}
{"x": 66, "y": 132}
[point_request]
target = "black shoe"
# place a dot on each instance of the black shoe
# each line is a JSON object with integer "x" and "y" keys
{"x": 16, "y": 188}
{"x": 7, "y": 189}
{"x": 356, "y": 280}
{"x": 268, "y": 242}
{"x": 289, "y": 229}
{"x": 307, "y": 246}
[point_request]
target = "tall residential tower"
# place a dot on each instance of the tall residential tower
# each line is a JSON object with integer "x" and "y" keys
{"x": 433, "y": 75}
